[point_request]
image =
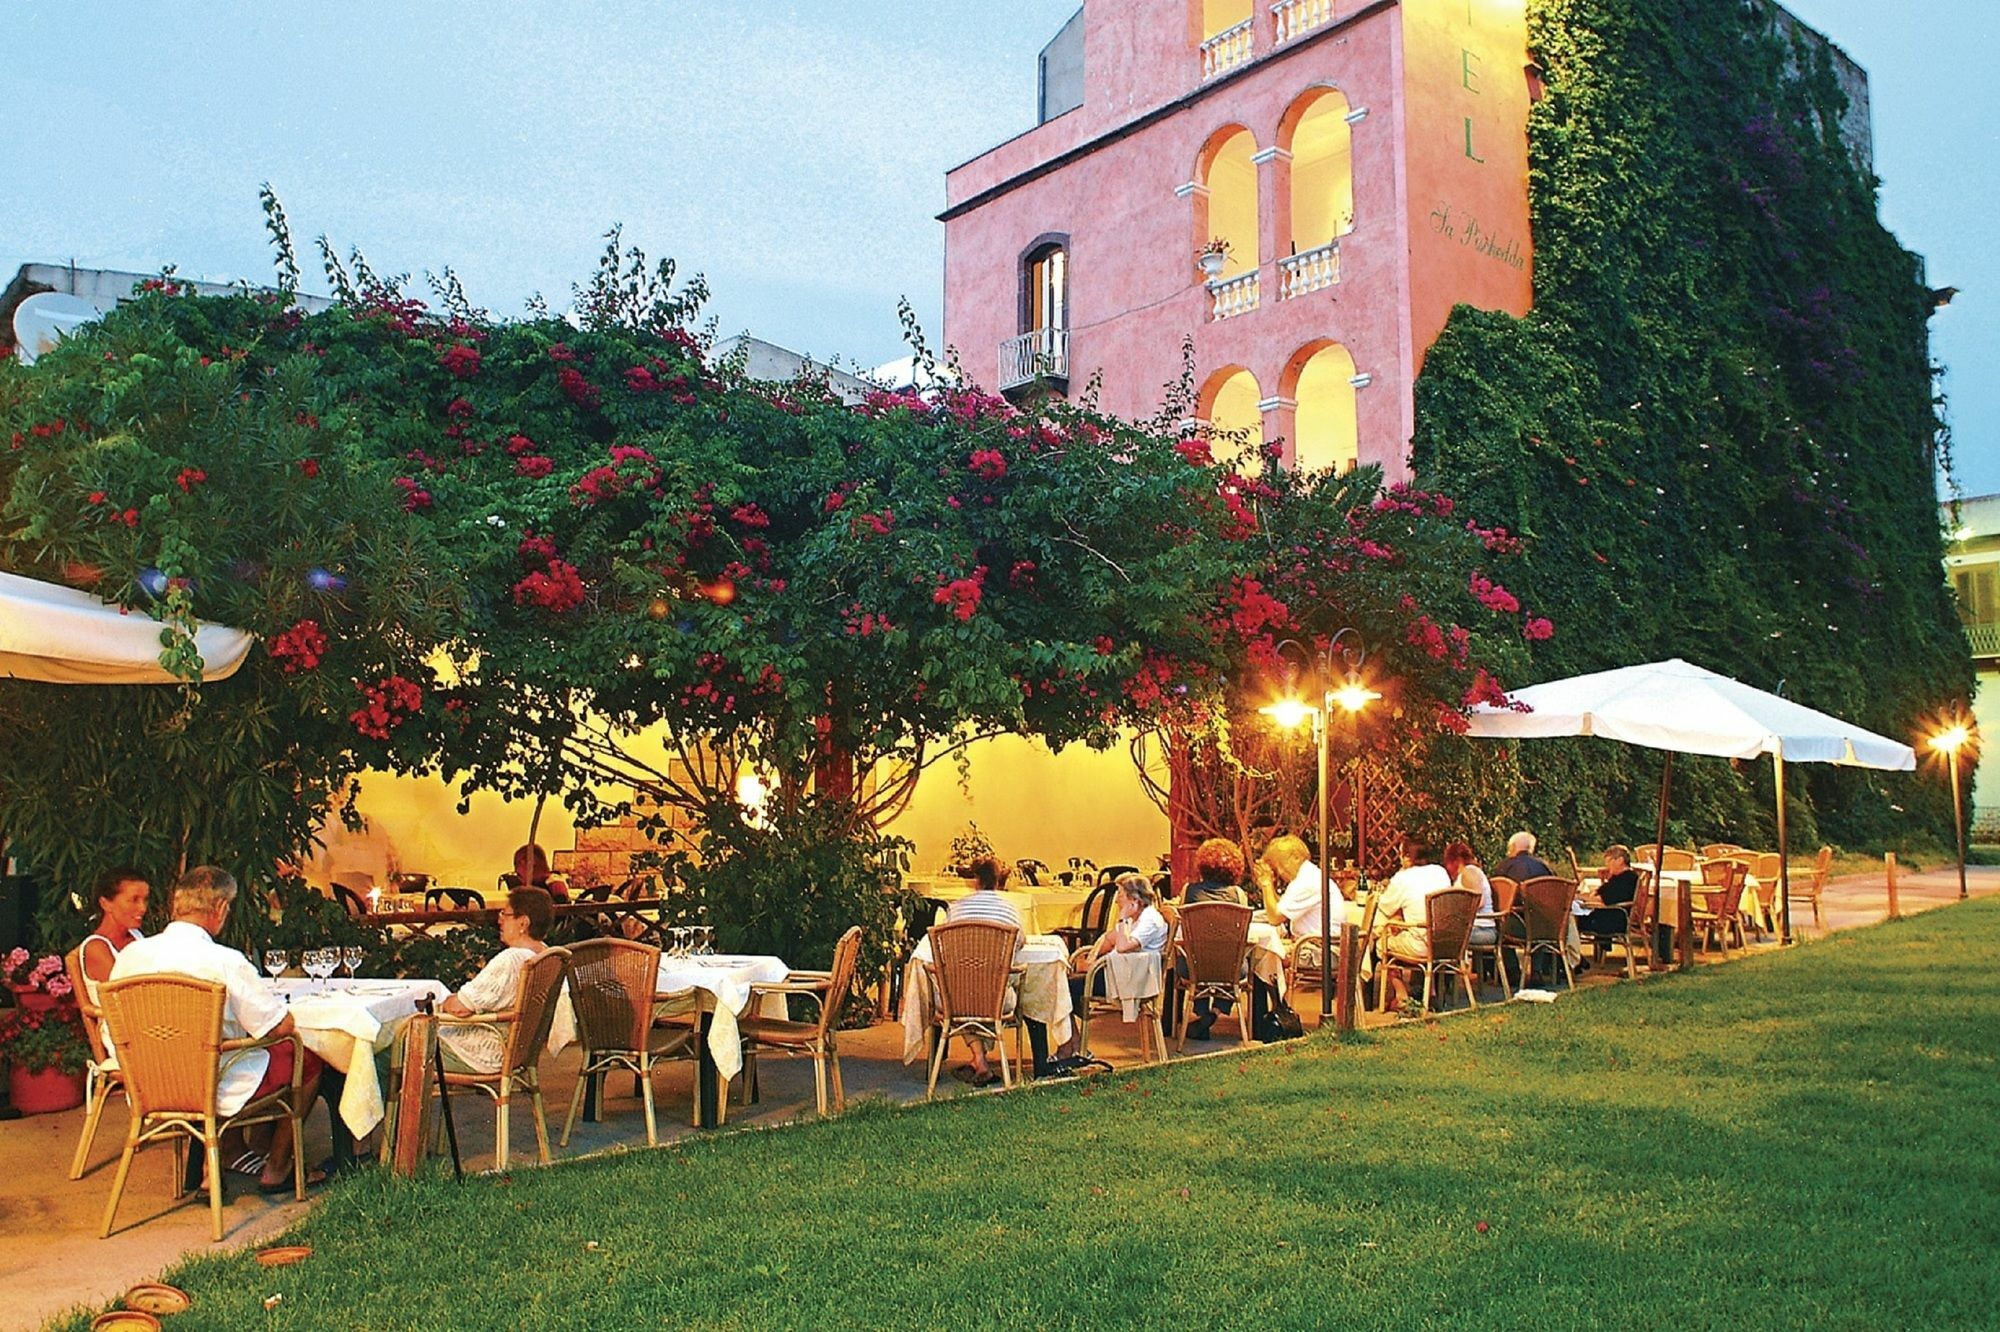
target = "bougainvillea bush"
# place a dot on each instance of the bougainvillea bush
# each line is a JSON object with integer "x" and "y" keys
{"x": 552, "y": 556}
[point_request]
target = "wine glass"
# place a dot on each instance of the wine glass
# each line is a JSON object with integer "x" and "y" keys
{"x": 352, "y": 954}
{"x": 323, "y": 962}
{"x": 708, "y": 941}
{"x": 274, "y": 961}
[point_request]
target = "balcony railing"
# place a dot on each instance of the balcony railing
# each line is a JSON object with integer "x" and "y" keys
{"x": 1297, "y": 17}
{"x": 1316, "y": 268}
{"x": 1040, "y": 353}
{"x": 1229, "y": 297}
{"x": 1226, "y": 50}
{"x": 1985, "y": 639}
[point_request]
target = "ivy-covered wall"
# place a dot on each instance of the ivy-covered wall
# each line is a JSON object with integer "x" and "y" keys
{"x": 1717, "y": 430}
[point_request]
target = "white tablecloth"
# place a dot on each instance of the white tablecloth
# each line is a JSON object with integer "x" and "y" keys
{"x": 721, "y": 983}
{"x": 1268, "y": 947}
{"x": 1041, "y": 909}
{"x": 345, "y": 1022}
{"x": 1042, "y": 992}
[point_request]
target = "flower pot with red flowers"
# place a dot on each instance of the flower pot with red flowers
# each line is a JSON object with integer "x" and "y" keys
{"x": 42, "y": 1039}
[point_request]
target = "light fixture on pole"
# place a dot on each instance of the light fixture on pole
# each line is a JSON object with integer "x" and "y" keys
{"x": 1948, "y": 743}
{"x": 1351, "y": 695}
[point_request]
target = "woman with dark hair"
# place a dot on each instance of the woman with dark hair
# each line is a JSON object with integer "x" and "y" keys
{"x": 531, "y": 870}
{"x": 121, "y": 896}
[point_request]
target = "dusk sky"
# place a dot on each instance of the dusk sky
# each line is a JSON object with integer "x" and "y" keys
{"x": 795, "y": 154}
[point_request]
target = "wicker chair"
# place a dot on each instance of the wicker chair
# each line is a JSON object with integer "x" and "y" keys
{"x": 611, "y": 983}
{"x": 1675, "y": 858}
{"x": 1215, "y": 947}
{"x": 1506, "y": 892}
{"x": 1636, "y": 937}
{"x": 1449, "y": 915}
{"x": 1093, "y": 919}
{"x": 524, "y": 1035}
{"x": 1721, "y": 890}
{"x": 102, "y": 1071}
{"x": 1152, "y": 1027}
{"x": 168, "y": 1033}
{"x": 1545, "y": 920}
{"x": 1715, "y": 850}
{"x": 459, "y": 899}
{"x": 971, "y": 962}
{"x": 1814, "y": 886}
{"x": 1746, "y": 918}
{"x": 815, "y": 1038}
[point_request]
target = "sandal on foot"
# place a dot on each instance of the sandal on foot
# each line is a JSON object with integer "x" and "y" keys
{"x": 246, "y": 1163}
{"x": 314, "y": 1178}
{"x": 965, "y": 1073}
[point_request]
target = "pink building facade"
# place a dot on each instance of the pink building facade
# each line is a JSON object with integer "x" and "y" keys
{"x": 1360, "y": 166}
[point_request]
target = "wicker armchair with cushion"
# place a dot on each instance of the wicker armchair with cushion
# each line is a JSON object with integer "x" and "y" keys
{"x": 524, "y": 1034}
{"x": 611, "y": 985}
{"x": 102, "y": 1071}
{"x": 971, "y": 963}
{"x": 1446, "y": 935}
{"x": 168, "y": 1033}
{"x": 1545, "y": 922}
{"x": 1214, "y": 951}
{"x": 1721, "y": 894}
{"x": 817, "y": 1037}
{"x": 1152, "y": 1011}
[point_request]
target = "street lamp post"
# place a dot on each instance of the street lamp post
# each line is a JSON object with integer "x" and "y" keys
{"x": 1352, "y": 695}
{"x": 1948, "y": 744}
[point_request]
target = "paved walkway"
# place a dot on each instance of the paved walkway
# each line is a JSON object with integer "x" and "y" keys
{"x": 51, "y": 1258}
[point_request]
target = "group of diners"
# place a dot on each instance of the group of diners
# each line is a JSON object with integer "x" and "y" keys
{"x": 199, "y": 907}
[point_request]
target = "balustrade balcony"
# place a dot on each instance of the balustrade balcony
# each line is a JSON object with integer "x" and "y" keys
{"x": 1316, "y": 268}
{"x": 1298, "y": 17}
{"x": 1226, "y": 50}
{"x": 1040, "y": 353}
{"x": 1229, "y": 297}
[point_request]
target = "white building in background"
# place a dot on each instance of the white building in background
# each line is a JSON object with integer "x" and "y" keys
{"x": 106, "y": 288}
{"x": 1972, "y": 559}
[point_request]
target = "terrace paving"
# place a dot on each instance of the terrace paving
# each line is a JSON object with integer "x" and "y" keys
{"x": 51, "y": 1258}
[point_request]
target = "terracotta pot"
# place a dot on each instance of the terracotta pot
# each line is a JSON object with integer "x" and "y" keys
{"x": 34, "y": 1001}
{"x": 45, "y": 1092}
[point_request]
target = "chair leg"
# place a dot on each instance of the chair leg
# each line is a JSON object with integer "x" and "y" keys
{"x": 1465, "y": 979}
{"x": 819, "y": 1086}
{"x": 1159, "y": 1034}
{"x": 938, "y": 1044}
{"x": 1006, "y": 1073}
{"x": 118, "y": 1180}
{"x": 839, "y": 1088}
{"x": 100, "y": 1092}
{"x": 1185, "y": 1006}
{"x": 211, "y": 1146}
{"x": 500, "y": 1127}
{"x": 583, "y": 1076}
{"x": 645, "y": 1097}
{"x": 1243, "y": 1032}
{"x": 541, "y": 1120}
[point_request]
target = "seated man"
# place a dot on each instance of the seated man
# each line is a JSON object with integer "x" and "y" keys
{"x": 199, "y": 907}
{"x": 1620, "y": 886}
{"x": 1287, "y": 859}
{"x": 984, "y": 903}
{"x": 524, "y": 925}
{"x": 1522, "y": 863}
{"x": 1403, "y": 900}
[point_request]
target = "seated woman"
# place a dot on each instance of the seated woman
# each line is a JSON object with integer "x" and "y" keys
{"x": 1403, "y": 900}
{"x": 1219, "y": 861}
{"x": 1620, "y": 886}
{"x": 984, "y": 903}
{"x": 531, "y": 870}
{"x": 121, "y": 896}
{"x": 524, "y": 925}
{"x": 1140, "y": 928}
{"x": 1463, "y": 866}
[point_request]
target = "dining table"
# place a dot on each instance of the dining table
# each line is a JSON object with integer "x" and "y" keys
{"x": 347, "y": 1022}
{"x": 719, "y": 986}
{"x": 1041, "y": 987}
{"x": 1042, "y": 910}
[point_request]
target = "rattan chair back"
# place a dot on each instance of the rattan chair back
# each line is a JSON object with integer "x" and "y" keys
{"x": 168, "y": 1030}
{"x": 1821, "y": 867}
{"x": 1727, "y": 899}
{"x": 611, "y": 983}
{"x": 971, "y": 960}
{"x": 1766, "y": 865}
{"x": 1675, "y": 858}
{"x": 541, "y": 980}
{"x": 1215, "y": 937}
{"x": 1506, "y": 892}
{"x": 93, "y": 1016}
{"x": 1714, "y": 849}
{"x": 1449, "y": 915}
{"x": 1640, "y": 910}
{"x": 1545, "y": 905}
{"x": 846, "y": 954}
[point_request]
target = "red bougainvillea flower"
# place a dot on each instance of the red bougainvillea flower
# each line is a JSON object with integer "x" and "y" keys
{"x": 460, "y": 361}
{"x": 536, "y": 551}
{"x": 1493, "y": 596}
{"x": 987, "y": 464}
{"x": 299, "y": 648}
{"x": 576, "y": 388}
{"x": 961, "y": 595}
{"x": 640, "y": 379}
{"x": 557, "y": 589}
{"x": 310, "y": 466}
{"x": 390, "y": 702}
{"x": 415, "y": 498}
{"x": 189, "y": 478}
{"x": 1537, "y": 629}
{"x": 534, "y": 465}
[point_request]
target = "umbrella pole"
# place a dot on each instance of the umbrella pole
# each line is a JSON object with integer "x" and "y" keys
{"x": 1660, "y": 845}
{"x": 1784, "y": 850}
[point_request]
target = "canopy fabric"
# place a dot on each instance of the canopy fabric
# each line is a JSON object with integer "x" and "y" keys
{"x": 59, "y": 635}
{"x": 1678, "y": 706}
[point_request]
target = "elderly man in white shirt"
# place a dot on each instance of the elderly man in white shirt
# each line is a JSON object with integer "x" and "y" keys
{"x": 1286, "y": 858}
{"x": 985, "y": 903}
{"x": 1403, "y": 899}
{"x": 187, "y": 947}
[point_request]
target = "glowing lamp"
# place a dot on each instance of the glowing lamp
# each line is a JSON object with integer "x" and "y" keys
{"x": 1354, "y": 696}
{"x": 1290, "y": 713}
{"x": 1949, "y": 742}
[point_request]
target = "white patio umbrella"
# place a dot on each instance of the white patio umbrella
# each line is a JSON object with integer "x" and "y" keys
{"x": 59, "y": 635}
{"x": 1681, "y": 708}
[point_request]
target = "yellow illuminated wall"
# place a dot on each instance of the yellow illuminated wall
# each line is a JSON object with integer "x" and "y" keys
{"x": 1325, "y": 420}
{"x": 1322, "y": 173}
{"x": 1231, "y": 179}
{"x": 1235, "y": 423}
{"x": 1222, "y": 15}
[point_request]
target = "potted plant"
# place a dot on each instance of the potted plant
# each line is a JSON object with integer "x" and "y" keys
{"x": 46, "y": 1053}
{"x": 1211, "y": 257}
{"x": 37, "y": 983}
{"x": 967, "y": 847}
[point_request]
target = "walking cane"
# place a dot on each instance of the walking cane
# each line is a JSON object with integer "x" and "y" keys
{"x": 424, "y": 1006}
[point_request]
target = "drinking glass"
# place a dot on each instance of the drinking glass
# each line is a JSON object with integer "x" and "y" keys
{"x": 324, "y": 961}
{"x": 352, "y": 955}
{"x": 274, "y": 961}
{"x": 678, "y": 947}
{"x": 708, "y": 941}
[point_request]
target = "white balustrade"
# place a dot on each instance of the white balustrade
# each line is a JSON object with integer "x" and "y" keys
{"x": 1230, "y": 297}
{"x": 1226, "y": 50}
{"x": 1041, "y": 353}
{"x": 1316, "y": 268}
{"x": 1297, "y": 17}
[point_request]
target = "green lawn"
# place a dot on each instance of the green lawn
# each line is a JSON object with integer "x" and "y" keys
{"x": 1789, "y": 1141}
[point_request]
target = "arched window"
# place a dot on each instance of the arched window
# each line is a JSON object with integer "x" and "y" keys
{"x": 1228, "y": 172}
{"x": 1045, "y": 287}
{"x": 1041, "y": 350}
{"x": 1315, "y": 130}
{"x": 1324, "y": 427}
{"x": 1228, "y": 404}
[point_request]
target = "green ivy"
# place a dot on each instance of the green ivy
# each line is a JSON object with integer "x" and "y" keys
{"x": 1717, "y": 430}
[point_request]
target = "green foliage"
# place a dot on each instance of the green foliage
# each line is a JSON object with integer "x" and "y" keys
{"x": 1716, "y": 431}
{"x": 42, "y": 1039}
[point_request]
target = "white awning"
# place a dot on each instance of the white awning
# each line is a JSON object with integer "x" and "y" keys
{"x": 59, "y": 635}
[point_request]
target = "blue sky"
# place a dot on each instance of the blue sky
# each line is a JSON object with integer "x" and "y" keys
{"x": 793, "y": 153}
